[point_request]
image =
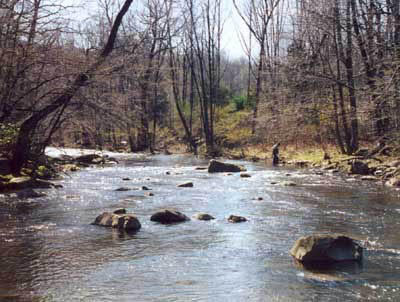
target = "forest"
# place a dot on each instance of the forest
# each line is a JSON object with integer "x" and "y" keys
{"x": 146, "y": 75}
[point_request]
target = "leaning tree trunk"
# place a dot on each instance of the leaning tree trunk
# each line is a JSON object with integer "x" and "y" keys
{"x": 22, "y": 148}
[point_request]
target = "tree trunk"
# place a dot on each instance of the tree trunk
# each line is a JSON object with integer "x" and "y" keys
{"x": 22, "y": 149}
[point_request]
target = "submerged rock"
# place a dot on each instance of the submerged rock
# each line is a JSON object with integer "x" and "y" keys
{"x": 200, "y": 168}
{"x": 236, "y": 219}
{"x": 30, "y": 193}
{"x": 326, "y": 249}
{"x": 203, "y": 216}
{"x": 216, "y": 166}
{"x": 288, "y": 184}
{"x": 245, "y": 175}
{"x": 169, "y": 216}
{"x": 186, "y": 185}
{"x": 122, "y": 189}
{"x": 126, "y": 222}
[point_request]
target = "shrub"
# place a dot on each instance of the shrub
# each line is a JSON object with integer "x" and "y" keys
{"x": 239, "y": 102}
{"x": 8, "y": 133}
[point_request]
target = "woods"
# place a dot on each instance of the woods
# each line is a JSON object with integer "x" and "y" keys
{"x": 156, "y": 72}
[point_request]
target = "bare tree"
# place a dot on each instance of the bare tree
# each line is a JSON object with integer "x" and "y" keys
{"x": 23, "y": 146}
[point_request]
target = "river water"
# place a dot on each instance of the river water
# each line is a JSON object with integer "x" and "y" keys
{"x": 49, "y": 251}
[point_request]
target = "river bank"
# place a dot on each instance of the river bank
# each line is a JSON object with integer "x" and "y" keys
{"x": 380, "y": 168}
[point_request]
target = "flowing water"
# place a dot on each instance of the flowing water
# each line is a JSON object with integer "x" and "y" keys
{"x": 49, "y": 251}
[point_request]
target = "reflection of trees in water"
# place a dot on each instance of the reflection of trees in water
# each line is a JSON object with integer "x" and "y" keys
{"x": 20, "y": 252}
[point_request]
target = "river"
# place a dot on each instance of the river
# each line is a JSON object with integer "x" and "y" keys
{"x": 49, "y": 251}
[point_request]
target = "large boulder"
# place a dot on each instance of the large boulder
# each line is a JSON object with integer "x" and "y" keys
{"x": 216, "y": 166}
{"x": 359, "y": 167}
{"x": 126, "y": 222}
{"x": 169, "y": 216}
{"x": 326, "y": 249}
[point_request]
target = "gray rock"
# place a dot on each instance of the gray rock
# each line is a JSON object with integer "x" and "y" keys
{"x": 216, "y": 166}
{"x": 203, "y": 216}
{"x": 186, "y": 185}
{"x": 236, "y": 219}
{"x": 326, "y": 249}
{"x": 359, "y": 167}
{"x": 168, "y": 217}
{"x": 126, "y": 222}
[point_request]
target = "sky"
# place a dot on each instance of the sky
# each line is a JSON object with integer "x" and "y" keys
{"x": 233, "y": 25}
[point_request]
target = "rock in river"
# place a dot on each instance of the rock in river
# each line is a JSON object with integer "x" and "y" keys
{"x": 216, "y": 166}
{"x": 236, "y": 219}
{"x": 126, "y": 222}
{"x": 169, "y": 216}
{"x": 245, "y": 175}
{"x": 186, "y": 185}
{"x": 24, "y": 182}
{"x": 326, "y": 249}
{"x": 203, "y": 216}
